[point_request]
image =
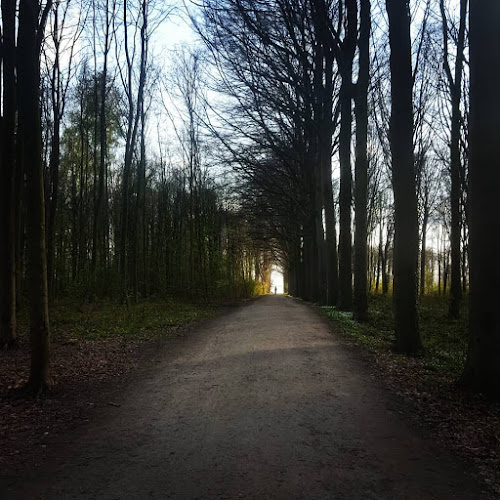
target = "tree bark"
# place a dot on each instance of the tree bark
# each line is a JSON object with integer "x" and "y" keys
{"x": 360, "y": 310}
{"x": 403, "y": 180}
{"x": 8, "y": 176}
{"x": 29, "y": 37}
{"x": 345, "y": 197}
{"x": 52, "y": 201}
{"x": 482, "y": 370}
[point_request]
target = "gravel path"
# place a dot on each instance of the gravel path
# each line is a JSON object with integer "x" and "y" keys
{"x": 261, "y": 403}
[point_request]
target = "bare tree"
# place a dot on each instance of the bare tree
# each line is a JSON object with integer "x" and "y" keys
{"x": 455, "y": 86}
{"x": 403, "y": 180}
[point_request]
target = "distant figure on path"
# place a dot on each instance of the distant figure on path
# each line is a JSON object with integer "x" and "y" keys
{"x": 275, "y": 289}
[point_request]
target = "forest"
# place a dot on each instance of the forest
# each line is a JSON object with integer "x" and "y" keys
{"x": 351, "y": 143}
{"x": 164, "y": 164}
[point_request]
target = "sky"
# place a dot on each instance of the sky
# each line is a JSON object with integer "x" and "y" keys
{"x": 176, "y": 31}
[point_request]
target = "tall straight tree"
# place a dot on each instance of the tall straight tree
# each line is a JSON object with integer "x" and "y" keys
{"x": 133, "y": 121}
{"x": 141, "y": 165}
{"x": 329, "y": 47}
{"x": 455, "y": 84}
{"x": 403, "y": 180}
{"x": 7, "y": 169}
{"x": 329, "y": 205}
{"x": 360, "y": 309}
{"x": 482, "y": 371}
{"x": 30, "y": 36}
{"x": 59, "y": 76}
{"x": 99, "y": 249}
{"x": 348, "y": 48}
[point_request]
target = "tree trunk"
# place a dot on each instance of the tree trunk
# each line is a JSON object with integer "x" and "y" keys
{"x": 446, "y": 267}
{"x": 423, "y": 255}
{"x": 455, "y": 84}
{"x": 7, "y": 184}
{"x": 131, "y": 137}
{"x": 345, "y": 238}
{"x": 379, "y": 260}
{"x": 360, "y": 310}
{"x": 403, "y": 180}
{"x": 439, "y": 271}
{"x": 99, "y": 253}
{"x": 54, "y": 190}
{"x": 54, "y": 155}
{"x": 29, "y": 117}
{"x": 482, "y": 370}
{"x": 318, "y": 139}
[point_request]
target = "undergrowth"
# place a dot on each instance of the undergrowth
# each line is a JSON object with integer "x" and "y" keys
{"x": 444, "y": 339}
{"x": 152, "y": 318}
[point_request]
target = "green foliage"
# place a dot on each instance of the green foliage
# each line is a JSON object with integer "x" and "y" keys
{"x": 155, "y": 318}
{"x": 444, "y": 339}
{"x": 362, "y": 333}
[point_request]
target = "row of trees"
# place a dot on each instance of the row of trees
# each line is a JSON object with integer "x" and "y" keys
{"x": 383, "y": 96}
{"x": 396, "y": 103}
{"x": 95, "y": 204}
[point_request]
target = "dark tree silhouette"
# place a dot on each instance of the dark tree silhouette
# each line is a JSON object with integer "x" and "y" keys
{"x": 455, "y": 86}
{"x": 30, "y": 36}
{"x": 348, "y": 48}
{"x": 482, "y": 371}
{"x": 360, "y": 306}
{"x": 403, "y": 180}
{"x": 8, "y": 176}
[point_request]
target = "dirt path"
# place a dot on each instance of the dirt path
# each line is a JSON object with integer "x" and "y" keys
{"x": 263, "y": 403}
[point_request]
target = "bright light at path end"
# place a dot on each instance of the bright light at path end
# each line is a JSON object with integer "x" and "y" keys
{"x": 277, "y": 281}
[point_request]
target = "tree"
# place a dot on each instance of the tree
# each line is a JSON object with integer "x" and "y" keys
{"x": 360, "y": 310}
{"x": 455, "y": 86}
{"x": 58, "y": 81}
{"x": 403, "y": 180}
{"x": 348, "y": 48}
{"x": 134, "y": 104}
{"x": 482, "y": 370}
{"x": 8, "y": 176}
{"x": 30, "y": 36}
{"x": 324, "y": 83}
{"x": 101, "y": 89}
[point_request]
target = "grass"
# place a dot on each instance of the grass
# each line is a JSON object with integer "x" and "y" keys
{"x": 444, "y": 339}
{"x": 154, "y": 318}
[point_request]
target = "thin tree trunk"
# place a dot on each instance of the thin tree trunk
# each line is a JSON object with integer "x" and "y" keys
{"x": 379, "y": 258}
{"x": 439, "y": 271}
{"x": 423, "y": 255}
{"x": 446, "y": 270}
{"x": 455, "y": 84}
{"x": 98, "y": 239}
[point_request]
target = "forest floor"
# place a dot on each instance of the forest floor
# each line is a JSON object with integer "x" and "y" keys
{"x": 428, "y": 386}
{"x": 95, "y": 348}
{"x": 265, "y": 401}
